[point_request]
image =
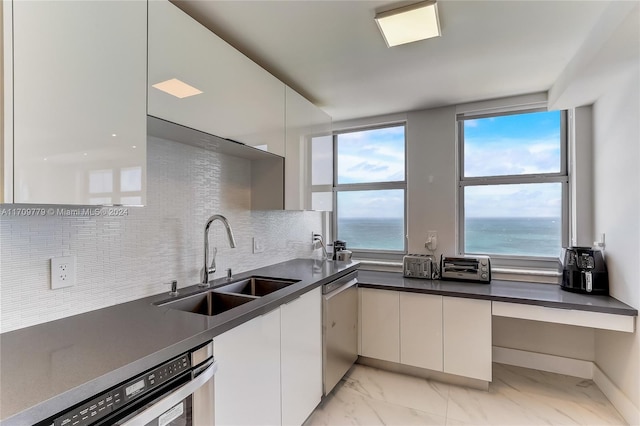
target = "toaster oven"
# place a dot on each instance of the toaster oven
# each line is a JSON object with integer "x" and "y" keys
{"x": 466, "y": 268}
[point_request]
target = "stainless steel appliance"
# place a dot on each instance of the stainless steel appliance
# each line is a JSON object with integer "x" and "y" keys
{"x": 584, "y": 271}
{"x": 344, "y": 256}
{"x": 466, "y": 268}
{"x": 176, "y": 392}
{"x": 418, "y": 266}
{"x": 339, "y": 329}
{"x": 338, "y": 246}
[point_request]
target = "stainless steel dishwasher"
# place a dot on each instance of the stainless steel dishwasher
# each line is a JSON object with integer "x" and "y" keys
{"x": 339, "y": 329}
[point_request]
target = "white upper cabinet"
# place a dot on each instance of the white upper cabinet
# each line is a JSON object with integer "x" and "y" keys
{"x": 75, "y": 102}
{"x": 306, "y": 124}
{"x": 239, "y": 100}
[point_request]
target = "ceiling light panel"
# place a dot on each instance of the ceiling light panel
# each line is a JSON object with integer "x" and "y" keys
{"x": 177, "y": 88}
{"x": 410, "y": 23}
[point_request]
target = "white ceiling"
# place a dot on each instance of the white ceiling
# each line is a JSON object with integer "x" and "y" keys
{"x": 332, "y": 52}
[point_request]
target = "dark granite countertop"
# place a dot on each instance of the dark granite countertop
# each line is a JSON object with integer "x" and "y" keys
{"x": 49, "y": 367}
{"x": 549, "y": 295}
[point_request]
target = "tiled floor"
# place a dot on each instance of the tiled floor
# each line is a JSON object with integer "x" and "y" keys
{"x": 517, "y": 396}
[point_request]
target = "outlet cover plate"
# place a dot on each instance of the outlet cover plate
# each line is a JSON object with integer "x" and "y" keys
{"x": 63, "y": 272}
{"x": 258, "y": 245}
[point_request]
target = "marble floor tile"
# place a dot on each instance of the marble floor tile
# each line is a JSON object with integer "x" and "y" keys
{"x": 407, "y": 391}
{"x": 517, "y": 396}
{"x": 347, "y": 407}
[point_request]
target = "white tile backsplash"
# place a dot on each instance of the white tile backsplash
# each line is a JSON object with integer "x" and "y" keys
{"x": 125, "y": 258}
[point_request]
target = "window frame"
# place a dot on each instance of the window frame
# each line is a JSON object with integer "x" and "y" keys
{"x": 562, "y": 177}
{"x": 368, "y": 186}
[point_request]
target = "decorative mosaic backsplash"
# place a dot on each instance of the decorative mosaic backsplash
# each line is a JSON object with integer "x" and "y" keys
{"x": 121, "y": 258}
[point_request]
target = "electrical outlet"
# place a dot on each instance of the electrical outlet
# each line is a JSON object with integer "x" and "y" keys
{"x": 258, "y": 245}
{"x": 432, "y": 240}
{"x": 63, "y": 272}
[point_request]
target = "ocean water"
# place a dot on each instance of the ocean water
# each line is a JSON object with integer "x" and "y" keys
{"x": 372, "y": 233}
{"x": 514, "y": 236}
{"x": 508, "y": 236}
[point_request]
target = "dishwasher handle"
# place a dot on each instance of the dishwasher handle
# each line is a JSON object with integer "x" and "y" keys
{"x": 338, "y": 287}
{"x": 167, "y": 402}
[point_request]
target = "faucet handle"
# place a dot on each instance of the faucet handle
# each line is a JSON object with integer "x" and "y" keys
{"x": 229, "y": 274}
{"x": 212, "y": 268}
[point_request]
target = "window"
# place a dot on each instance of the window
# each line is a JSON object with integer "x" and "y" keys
{"x": 513, "y": 184}
{"x": 370, "y": 187}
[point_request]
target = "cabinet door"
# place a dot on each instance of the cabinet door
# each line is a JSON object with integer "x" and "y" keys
{"x": 304, "y": 122}
{"x": 380, "y": 324}
{"x": 79, "y": 102}
{"x": 247, "y": 383}
{"x": 467, "y": 337}
{"x": 421, "y": 330}
{"x": 301, "y": 346}
{"x": 239, "y": 100}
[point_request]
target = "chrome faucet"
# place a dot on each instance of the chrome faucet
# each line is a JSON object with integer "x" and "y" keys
{"x": 232, "y": 242}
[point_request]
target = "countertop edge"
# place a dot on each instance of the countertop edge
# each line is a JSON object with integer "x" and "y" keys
{"x": 370, "y": 279}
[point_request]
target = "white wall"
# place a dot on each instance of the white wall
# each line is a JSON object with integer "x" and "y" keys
{"x": 617, "y": 214}
{"x": 125, "y": 258}
{"x": 431, "y": 178}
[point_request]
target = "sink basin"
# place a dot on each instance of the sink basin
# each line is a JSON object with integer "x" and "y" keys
{"x": 209, "y": 303}
{"x": 255, "y": 286}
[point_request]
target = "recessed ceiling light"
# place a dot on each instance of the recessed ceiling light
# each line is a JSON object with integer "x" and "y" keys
{"x": 177, "y": 88}
{"x": 409, "y": 23}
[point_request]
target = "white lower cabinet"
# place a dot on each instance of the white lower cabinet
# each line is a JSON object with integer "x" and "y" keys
{"x": 380, "y": 324}
{"x": 247, "y": 383}
{"x": 301, "y": 356}
{"x": 421, "y": 330}
{"x": 270, "y": 368}
{"x": 467, "y": 337}
{"x": 439, "y": 333}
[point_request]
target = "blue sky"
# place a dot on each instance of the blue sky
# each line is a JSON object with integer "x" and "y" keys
{"x": 513, "y": 145}
{"x": 495, "y": 146}
{"x": 371, "y": 156}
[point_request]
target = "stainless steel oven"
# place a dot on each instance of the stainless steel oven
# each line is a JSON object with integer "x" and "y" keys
{"x": 339, "y": 329}
{"x": 178, "y": 392}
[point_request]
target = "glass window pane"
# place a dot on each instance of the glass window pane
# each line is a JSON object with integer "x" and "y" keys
{"x": 371, "y": 156}
{"x": 518, "y": 144}
{"x": 322, "y": 201}
{"x": 514, "y": 219}
{"x": 372, "y": 219}
{"x": 131, "y": 179}
{"x": 322, "y": 160}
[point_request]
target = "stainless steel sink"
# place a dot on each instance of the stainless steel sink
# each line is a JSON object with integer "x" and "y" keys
{"x": 209, "y": 303}
{"x": 255, "y": 286}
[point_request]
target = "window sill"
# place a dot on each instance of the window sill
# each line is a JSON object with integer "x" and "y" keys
{"x": 508, "y": 274}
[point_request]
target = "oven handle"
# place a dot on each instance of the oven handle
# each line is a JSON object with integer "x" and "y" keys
{"x": 167, "y": 402}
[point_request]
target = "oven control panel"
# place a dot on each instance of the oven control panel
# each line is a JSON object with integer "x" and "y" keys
{"x": 97, "y": 408}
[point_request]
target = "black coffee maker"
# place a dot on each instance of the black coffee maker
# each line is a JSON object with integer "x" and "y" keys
{"x": 338, "y": 245}
{"x": 584, "y": 271}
